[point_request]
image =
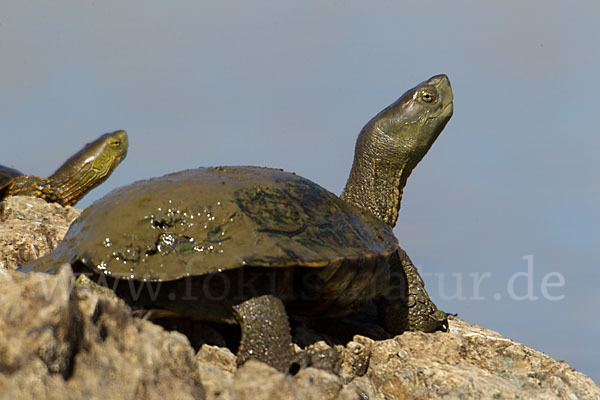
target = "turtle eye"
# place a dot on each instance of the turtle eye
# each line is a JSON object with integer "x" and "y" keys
{"x": 427, "y": 96}
{"x": 115, "y": 143}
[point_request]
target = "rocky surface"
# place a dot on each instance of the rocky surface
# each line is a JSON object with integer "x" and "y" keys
{"x": 61, "y": 341}
{"x": 30, "y": 228}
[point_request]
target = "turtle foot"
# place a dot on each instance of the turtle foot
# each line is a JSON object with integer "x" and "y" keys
{"x": 432, "y": 322}
{"x": 265, "y": 333}
{"x": 407, "y": 306}
{"x": 423, "y": 314}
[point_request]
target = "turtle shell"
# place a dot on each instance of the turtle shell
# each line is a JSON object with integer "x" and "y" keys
{"x": 7, "y": 174}
{"x": 227, "y": 220}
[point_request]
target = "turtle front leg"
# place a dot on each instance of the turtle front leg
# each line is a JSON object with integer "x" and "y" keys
{"x": 265, "y": 332}
{"x": 407, "y": 306}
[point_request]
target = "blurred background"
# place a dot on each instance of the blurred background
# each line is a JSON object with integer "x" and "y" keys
{"x": 502, "y": 216}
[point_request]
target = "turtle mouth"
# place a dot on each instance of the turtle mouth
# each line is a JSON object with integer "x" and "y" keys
{"x": 444, "y": 112}
{"x": 448, "y": 110}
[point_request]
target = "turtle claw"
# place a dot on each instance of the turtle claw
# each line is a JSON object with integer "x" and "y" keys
{"x": 436, "y": 321}
{"x": 441, "y": 317}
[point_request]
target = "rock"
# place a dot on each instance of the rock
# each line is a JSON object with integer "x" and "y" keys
{"x": 59, "y": 340}
{"x": 217, "y": 383}
{"x": 220, "y": 357}
{"x": 58, "y": 343}
{"x": 30, "y": 228}
{"x": 471, "y": 362}
{"x": 355, "y": 359}
{"x": 258, "y": 381}
{"x": 316, "y": 383}
{"x": 49, "y": 337}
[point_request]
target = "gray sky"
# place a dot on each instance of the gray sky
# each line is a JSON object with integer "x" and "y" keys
{"x": 290, "y": 84}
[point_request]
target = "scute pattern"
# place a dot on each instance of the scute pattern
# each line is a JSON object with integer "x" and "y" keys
{"x": 208, "y": 220}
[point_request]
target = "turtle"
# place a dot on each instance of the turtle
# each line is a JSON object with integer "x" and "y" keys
{"x": 7, "y": 174}
{"x": 251, "y": 245}
{"x": 82, "y": 172}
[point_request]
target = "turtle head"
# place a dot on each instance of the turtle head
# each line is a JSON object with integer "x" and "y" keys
{"x": 111, "y": 150}
{"x": 408, "y": 127}
{"x": 90, "y": 166}
{"x": 392, "y": 143}
{"x": 116, "y": 143}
